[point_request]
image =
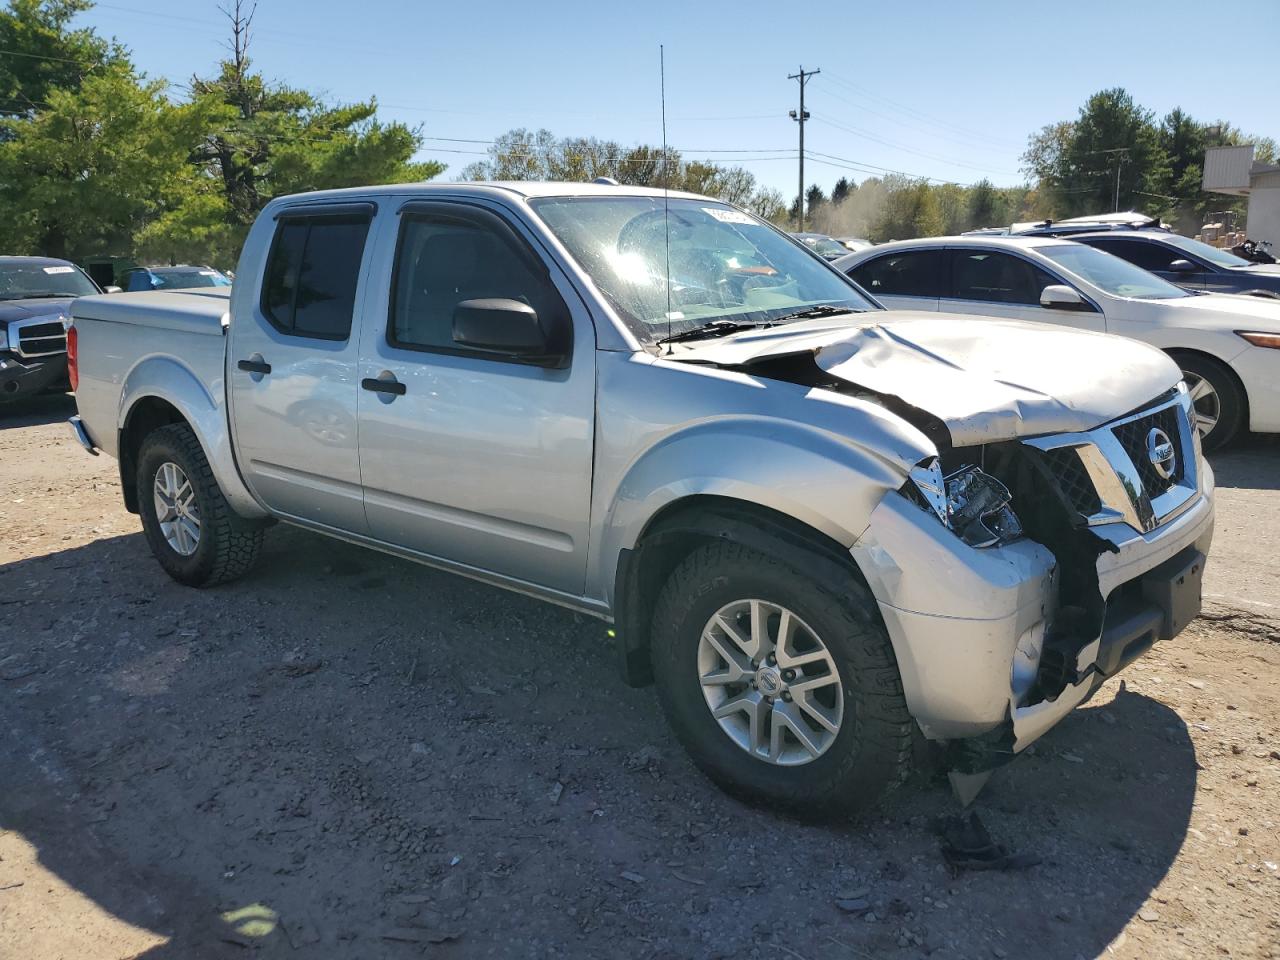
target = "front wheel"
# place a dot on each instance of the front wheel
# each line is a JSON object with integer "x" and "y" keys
{"x": 782, "y": 687}
{"x": 192, "y": 530}
{"x": 1217, "y": 400}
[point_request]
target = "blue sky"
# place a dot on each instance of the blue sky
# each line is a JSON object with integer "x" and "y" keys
{"x": 947, "y": 90}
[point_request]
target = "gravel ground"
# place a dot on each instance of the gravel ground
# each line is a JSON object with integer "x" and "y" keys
{"x": 348, "y": 755}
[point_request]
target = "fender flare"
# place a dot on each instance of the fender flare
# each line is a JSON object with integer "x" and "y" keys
{"x": 167, "y": 379}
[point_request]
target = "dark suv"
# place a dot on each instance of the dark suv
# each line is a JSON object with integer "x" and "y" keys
{"x": 35, "y": 296}
{"x": 1188, "y": 263}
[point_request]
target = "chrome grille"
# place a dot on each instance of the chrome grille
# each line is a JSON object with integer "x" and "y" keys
{"x": 1073, "y": 478}
{"x": 1107, "y": 473}
{"x": 1133, "y": 437}
{"x": 41, "y": 339}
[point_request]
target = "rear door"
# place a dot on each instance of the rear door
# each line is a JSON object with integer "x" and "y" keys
{"x": 474, "y": 459}
{"x": 292, "y": 367}
{"x": 904, "y": 280}
{"x": 997, "y": 283}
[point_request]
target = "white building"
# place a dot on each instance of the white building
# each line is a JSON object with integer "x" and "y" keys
{"x": 1233, "y": 171}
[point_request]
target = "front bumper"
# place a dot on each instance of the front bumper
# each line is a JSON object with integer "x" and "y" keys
{"x": 968, "y": 626}
{"x": 24, "y": 378}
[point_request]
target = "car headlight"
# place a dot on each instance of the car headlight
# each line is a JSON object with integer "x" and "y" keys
{"x": 970, "y": 502}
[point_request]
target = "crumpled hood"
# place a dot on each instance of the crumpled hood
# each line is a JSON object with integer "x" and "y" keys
{"x": 986, "y": 379}
{"x": 21, "y": 309}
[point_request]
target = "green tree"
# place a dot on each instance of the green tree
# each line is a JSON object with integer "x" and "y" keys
{"x": 910, "y": 210}
{"x": 840, "y": 192}
{"x": 987, "y": 207}
{"x": 42, "y": 53}
{"x": 264, "y": 140}
{"x": 1110, "y": 157}
{"x": 94, "y": 165}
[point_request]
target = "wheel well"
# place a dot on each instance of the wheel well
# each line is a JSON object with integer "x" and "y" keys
{"x": 148, "y": 414}
{"x": 679, "y": 529}
{"x": 1176, "y": 352}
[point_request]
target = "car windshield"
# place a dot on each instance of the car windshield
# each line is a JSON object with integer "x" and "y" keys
{"x": 182, "y": 279}
{"x": 825, "y": 246}
{"x": 1223, "y": 258}
{"x": 22, "y": 281}
{"x": 669, "y": 269}
{"x": 1110, "y": 274}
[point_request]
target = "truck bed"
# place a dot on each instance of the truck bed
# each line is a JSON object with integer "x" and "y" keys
{"x": 126, "y": 340}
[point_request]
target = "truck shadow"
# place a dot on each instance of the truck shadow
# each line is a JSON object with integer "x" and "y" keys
{"x": 37, "y": 411}
{"x": 345, "y": 747}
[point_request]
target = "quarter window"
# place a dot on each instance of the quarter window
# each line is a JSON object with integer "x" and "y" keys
{"x": 312, "y": 274}
{"x": 916, "y": 273}
{"x": 993, "y": 277}
{"x": 444, "y": 259}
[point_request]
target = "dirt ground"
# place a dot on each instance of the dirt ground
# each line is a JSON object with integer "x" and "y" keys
{"x": 348, "y": 755}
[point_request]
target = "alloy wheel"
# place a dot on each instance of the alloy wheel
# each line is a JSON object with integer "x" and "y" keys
{"x": 176, "y": 509}
{"x": 770, "y": 682}
{"x": 1206, "y": 405}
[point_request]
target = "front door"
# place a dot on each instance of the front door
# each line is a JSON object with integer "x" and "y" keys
{"x": 995, "y": 283}
{"x": 905, "y": 279}
{"x": 292, "y": 364}
{"x": 473, "y": 459}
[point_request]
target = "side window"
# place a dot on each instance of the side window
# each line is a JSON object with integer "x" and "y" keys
{"x": 310, "y": 285}
{"x": 916, "y": 273}
{"x": 1141, "y": 253}
{"x": 994, "y": 277}
{"x": 442, "y": 260}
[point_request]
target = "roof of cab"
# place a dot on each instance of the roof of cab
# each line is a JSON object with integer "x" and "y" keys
{"x": 528, "y": 189}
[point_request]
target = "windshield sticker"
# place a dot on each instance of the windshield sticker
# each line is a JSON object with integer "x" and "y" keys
{"x": 208, "y": 273}
{"x": 59, "y": 269}
{"x": 729, "y": 216}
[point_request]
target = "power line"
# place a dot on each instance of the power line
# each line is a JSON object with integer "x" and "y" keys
{"x": 865, "y": 134}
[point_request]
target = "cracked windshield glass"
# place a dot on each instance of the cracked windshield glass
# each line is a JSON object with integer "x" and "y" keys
{"x": 725, "y": 265}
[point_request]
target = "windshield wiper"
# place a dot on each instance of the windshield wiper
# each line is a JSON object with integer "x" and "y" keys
{"x": 817, "y": 310}
{"x": 39, "y": 296}
{"x": 715, "y": 328}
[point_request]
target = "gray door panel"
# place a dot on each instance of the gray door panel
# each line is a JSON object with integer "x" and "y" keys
{"x": 480, "y": 461}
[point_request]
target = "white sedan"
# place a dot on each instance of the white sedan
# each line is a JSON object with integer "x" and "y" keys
{"x": 1227, "y": 346}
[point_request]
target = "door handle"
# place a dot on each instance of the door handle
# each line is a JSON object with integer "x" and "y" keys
{"x": 393, "y": 387}
{"x": 254, "y": 366}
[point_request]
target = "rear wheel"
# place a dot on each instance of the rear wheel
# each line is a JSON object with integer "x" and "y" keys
{"x": 783, "y": 687}
{"x": 1216, "y": 398}
{"x": 192, "y": 530}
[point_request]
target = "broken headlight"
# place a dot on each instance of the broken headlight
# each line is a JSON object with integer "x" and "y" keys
{"x": 970, "y": 502}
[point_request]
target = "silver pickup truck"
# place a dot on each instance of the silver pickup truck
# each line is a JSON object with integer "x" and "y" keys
{"x": 820, "y": 527}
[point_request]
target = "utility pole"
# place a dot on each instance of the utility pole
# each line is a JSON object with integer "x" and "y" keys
{"x": 800, "y": 117}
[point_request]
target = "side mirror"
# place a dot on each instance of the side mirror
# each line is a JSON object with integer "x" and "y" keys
{"x": 512, "y": 330}
{"x": 112, "y": 288}
{"x": 1058, "y": 296}
{"x": 1181, "y": 266}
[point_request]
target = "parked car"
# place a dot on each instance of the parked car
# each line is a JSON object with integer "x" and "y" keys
{"x": 1226, "y": 346}
{"x": 817, "y": 525}
{"x": 34, "y": 295}
{"x": 822, "y": 245}
{"x": 173, "y": 278}
{"x": 1191, "y": 264}
{"x": 854, "y": 244}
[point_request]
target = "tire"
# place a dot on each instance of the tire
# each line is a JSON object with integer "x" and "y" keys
{"x": 871, "y": 751}
{"x": 227, "y": 545}
{"x": 1226, "y": 398}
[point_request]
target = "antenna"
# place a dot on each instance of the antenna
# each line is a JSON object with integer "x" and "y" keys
{"x": 666, "y": 186}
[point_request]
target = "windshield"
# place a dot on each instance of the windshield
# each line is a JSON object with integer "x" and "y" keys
{"x": 825, "y": 246}
{"x": 724, "y": 264}
{"x": 22, "y": 281}
{"x": 1223, "y": 258}
{"x": 1110, "y": 274}
{"x": 182, "y": 279}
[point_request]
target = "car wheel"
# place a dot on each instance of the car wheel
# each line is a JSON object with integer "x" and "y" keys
{"x": 192, "y": 530}
{"x": 1216, "y": 398}
{"x": 782, "y": 686}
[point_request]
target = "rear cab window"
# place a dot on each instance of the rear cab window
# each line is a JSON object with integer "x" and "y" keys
{"x": 312, "y": 274}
